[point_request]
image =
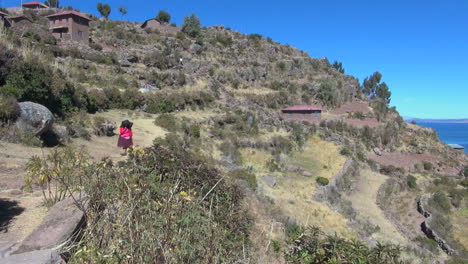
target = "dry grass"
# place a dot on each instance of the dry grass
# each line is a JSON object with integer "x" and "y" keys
{"x": 364, "y": 200}
{"x": 197, "y": 115}
{"x": 460, "y": 224}
{"x": 293, "y": 193}
{"x": 319, "y": 157}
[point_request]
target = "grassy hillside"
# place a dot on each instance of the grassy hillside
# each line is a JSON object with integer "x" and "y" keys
{"x": 219, "y": 176}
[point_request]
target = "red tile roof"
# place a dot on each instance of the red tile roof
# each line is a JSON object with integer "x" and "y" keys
{"x": 35, "y": 3}
{"x": 302, "y": 108}
{"x": 3, "y": 14}
{"x": 16, "y": 17}
{"x": 70, "y": 12}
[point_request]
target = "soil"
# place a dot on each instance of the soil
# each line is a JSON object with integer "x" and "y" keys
{"x": 370, "y": 122}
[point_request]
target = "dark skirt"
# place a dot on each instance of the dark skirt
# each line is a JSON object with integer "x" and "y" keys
{"x": 125, "y": 143}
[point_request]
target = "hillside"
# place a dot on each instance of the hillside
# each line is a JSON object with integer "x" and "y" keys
{"x": 219, "y": 174}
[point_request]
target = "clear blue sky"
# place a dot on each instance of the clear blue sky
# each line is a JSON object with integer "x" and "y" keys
{"x": 420, "y": 47}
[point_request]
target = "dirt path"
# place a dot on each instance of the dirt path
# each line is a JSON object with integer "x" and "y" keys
{"x": 364, "y": 200}
{"x": 21, "y": 212}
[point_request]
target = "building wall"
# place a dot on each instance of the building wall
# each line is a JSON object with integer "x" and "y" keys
{"x": 80, "y": 25}
{"x": 75, "y": 26}
{"x": 311, "y": 117}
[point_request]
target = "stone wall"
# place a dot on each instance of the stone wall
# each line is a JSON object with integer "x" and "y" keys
{"x": 426, "y": 228}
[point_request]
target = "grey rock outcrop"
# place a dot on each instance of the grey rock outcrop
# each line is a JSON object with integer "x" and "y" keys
{"x": 46, "y": 256}
{"x": 63, "y": 223}
{"x": 61, "y": 132}
{"x": 34, "y": 118}
{"x": 104, "y": 129}
{"x": 271, "y": 181}
{"x": 377, "y": 152}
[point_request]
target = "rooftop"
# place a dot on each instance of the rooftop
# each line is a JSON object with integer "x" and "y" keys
{"x": 16, "y": 17}
{"x": 303, "y": 108}
{"x": 3, "y": 14}
{"x": 70, "y": 12}
{"x": 456, "y": 146}
{"x": 35, "y": 3}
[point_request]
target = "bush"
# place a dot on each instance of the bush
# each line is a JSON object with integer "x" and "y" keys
{"x": 167, "y": 121}
{"x": 440, "y": 202}
{"x": 428, "y": 244}
{"x": 345, "y": 152}
{"x": 427, "y": 165}
{"x": 411, "y": 181}
{"x": 9, "y": 109}
{"x": 311, "y": 245}
{"x": 464, "y": 182}
{"x": 191, "y": 25}
{"x": 245, "y": 175}
{"x": 322, "y": 181}
{"x": 160, "y": 206}
{"x": 163, "y": 17}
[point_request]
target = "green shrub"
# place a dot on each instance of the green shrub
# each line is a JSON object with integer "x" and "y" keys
{"x": 427, "y": 165}
{"x": 9, "y": 109}
{"x": 311, "y": 245}
{"x": 191, "y": 25}
{"x": 224, "y": 39}
{"x": 322, "y": 181}
{"x": 411, "y": 181}
{"x": 95, "y": 46}
{"x": 167, "y": 121}
{"x": 464, "y": 182}
{"x": 345, "y": 152}
{"x": 163, "y": 17}
{"x": 162, "y": 206}
{"x": 78, "y": 125}
{"x": 281, "y": 66}
{"x": 440, "y": 202}
{"x": 245, "y": 175}
{"x": 428, "y": 244}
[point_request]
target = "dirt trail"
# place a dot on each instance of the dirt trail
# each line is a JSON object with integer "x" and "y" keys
{"x": 21, "y": 212}
{"x": 364, "y": 200}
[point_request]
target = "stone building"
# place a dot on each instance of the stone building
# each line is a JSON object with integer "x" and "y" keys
{"x": 309, "y": 113}
{"x": 69, "y": 26}
{"x": 156, "y": 25}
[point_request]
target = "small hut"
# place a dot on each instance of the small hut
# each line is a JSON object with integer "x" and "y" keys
{"x": 34, "y": 5}
{"x": 310, "y": 113}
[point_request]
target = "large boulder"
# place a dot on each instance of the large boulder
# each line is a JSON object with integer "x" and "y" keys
{"x": 34, "y": 118}
{"x": 63, "y": 223}
{"x": 105, "y": 128}
{"x": 46, "y": 256}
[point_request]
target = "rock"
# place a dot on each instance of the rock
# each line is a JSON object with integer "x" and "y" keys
{"x": 104, "y": 129}
{"x": 307, "y": 174}
{"x": 377, "y": 152}
{"x": 293, "y": 168}
{"x": 125, "y": 63}
{"x": 271, "y": 181}
{"x": 46, "y": 256}
{"x": 61, "y": 132}
{"x": 34, "y": 118}
{"x": 132, "y": 58}
{"x": 63, "y": 222}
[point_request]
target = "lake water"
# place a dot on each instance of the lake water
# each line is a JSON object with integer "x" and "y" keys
{"x": 450, "y": 133}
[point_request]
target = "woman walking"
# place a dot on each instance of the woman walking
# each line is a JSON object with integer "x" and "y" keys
{"x": 126, "y": 136}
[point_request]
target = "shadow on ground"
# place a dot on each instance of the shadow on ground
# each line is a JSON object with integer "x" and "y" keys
{"x": 8, "y": 211}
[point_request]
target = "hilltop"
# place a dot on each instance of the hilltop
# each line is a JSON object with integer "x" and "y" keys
{"x": 220, "y": 173}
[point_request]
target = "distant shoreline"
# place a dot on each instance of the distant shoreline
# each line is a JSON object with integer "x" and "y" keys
{"x": 446, "y": 121}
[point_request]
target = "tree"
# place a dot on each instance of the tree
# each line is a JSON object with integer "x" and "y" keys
{"x": 373, "y": 88}
{"x": 338, "y": 66}
{"x": 52, "y": 3}
{"x": 104, "y": 10}
{"x": 123, "y": 10}
{"x": 163, "y": 16}
{"x": 191, "y": 25}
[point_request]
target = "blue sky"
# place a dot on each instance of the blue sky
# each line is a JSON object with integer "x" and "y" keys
{"x": 420, "y": 47}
